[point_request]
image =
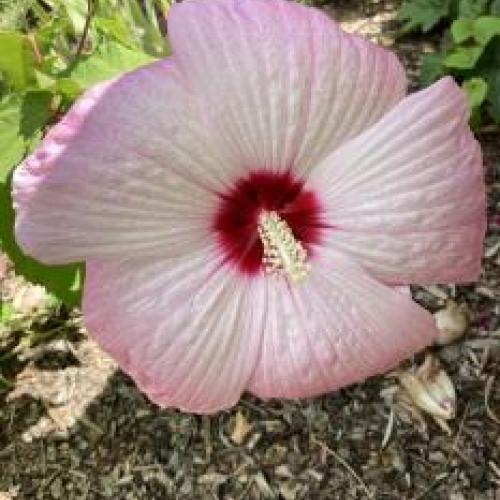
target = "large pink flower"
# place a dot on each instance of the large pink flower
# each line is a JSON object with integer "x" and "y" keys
{"x": 249, "y": 208}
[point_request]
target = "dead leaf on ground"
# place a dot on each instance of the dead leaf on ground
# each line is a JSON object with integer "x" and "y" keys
{"x": 67, "y": 392}
{"x": 431, "y": 390}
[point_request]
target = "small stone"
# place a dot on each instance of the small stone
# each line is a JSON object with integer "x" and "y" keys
{"x": 456, "y": 496}
{"x": 212, "y": 478}
{"x": 437, "y": 457}
{"x": 283, "y": 471}
{"x": 288, "y": 492}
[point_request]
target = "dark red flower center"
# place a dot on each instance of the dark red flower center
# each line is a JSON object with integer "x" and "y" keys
{"x": 237, "y": 217}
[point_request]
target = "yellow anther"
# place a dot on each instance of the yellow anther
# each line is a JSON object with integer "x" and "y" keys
{"x": 283, "y": 254}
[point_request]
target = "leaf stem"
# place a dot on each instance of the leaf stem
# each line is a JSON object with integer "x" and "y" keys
{"x": 91, "y": 6}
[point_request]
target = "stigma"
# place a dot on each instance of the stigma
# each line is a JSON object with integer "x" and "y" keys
{"x": 282, "y": 252}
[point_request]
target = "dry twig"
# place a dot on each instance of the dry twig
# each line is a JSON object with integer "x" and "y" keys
{"x": 91, "y": 6}
{"x": 345, "y": 464}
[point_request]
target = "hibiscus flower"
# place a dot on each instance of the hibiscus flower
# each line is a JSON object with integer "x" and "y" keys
{"x": 249, "y": 208}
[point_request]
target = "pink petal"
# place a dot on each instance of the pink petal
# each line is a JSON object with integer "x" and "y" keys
{"x": 126, "y": 172}
{"x": 406, "y": 198}
{"x": 338, "y": 327}
{"x": 186, "y": 330}
{"x": 280, "y": 84}
{"x": 404, "y": 290}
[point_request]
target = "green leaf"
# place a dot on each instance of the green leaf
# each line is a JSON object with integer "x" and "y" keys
{"x": 13, "y": 14}
{"x": 6, "y": 311}
{"x": 495, "y": 8}
{"x": 17, "y": 60}
{"x": 462, "y": 29}
{"x": 35, "y": 113}
{"x": 68, "y": 88}
{"x": 488, "y": 68}
{"x": 21, "y": 118}
{"x": 108, "y": 60}
{"x": 115, "y": 29}
{"x": 12, "y": 144}
{"x": 63, "y": 281}
{"x": 463, "y": 57}
{"x": 476, "y": 89}
{"x": 472, "y": 8}
{"x": 142, "y": 17}
{"x": 77, "y": 13}
{"x": 55, "y": 39}
{"x": 44, "y": 81}
{"x": 494, "y": 96}
{"x": 476, "y": 118}
{"x": 423, "y": 14}
{"x": 485, "y": 28}
{"x": 432, "y": 68}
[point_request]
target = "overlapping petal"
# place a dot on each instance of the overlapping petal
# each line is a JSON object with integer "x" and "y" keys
{"x": 186, "y": 330}
{"x": 126, "y": 172}
{"x": 338, "y": 327}
{"x": 406, "y": 198}
{"x": 281, "y": 84}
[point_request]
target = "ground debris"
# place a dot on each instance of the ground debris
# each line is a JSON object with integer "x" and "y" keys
{"x": 65, "y": 392}
{"x": 452, "y": 322}
{"x": 241, "y": 428}
{"x": 430, "y": 389}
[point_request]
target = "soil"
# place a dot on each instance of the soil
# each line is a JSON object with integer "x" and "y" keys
{"x": 72, "y": 426}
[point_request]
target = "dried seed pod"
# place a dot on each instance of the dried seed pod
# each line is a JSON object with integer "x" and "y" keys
{"x": 430, "y": 389}
{"x": 452, "y": 322}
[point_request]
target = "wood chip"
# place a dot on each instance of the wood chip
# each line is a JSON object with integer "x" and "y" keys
{"x": 490, "y": 381}
{"x": 241, "y": 428}
{"x": 263, "y": 485}
{"x": 388, "y": 429}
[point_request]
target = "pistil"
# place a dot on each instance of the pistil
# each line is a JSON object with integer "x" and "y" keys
{"x": 283, "y": 253}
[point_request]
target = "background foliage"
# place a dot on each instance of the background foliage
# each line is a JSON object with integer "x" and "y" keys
{"x": 469, "y": 48}
{"x": 50, "y": 52}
